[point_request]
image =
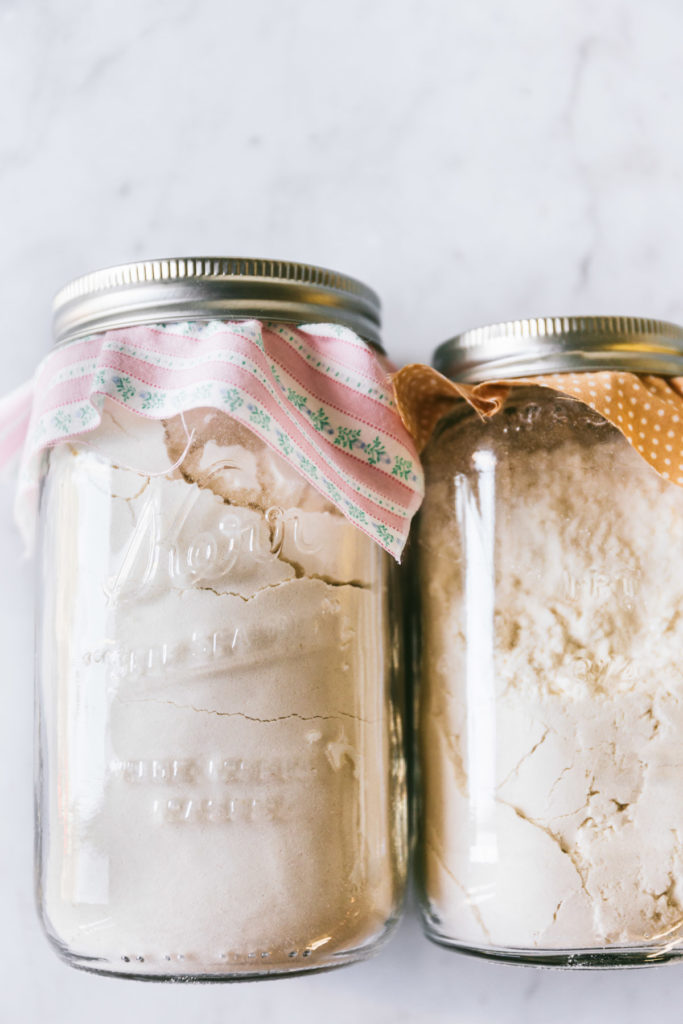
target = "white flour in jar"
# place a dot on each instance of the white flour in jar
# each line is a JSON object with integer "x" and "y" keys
{"x": 221, "y": 767}
{"x": 553, "y": 792}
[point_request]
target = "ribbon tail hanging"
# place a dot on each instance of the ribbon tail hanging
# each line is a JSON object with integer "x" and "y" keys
{"x": 15, "y": 416}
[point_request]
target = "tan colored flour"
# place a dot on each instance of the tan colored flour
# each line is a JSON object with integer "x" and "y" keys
{"x": 552, "y": 716}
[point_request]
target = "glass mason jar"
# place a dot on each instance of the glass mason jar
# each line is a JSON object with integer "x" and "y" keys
{"x": 551, "y": 697}
{"x": 220, "y": 782}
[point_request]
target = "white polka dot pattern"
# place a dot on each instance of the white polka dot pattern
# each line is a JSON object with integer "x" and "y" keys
{"x": 647, "y": 410}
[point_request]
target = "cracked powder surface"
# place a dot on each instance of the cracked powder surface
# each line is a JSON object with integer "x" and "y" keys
{"x": 552, "y": 684}
{"x": 216, "y": 707}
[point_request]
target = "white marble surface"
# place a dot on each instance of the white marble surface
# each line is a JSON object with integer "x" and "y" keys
{"x": 473, "y": 161}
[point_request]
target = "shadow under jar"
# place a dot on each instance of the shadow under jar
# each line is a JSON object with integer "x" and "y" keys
{"x": 551, "y": 692}
{"x": 220, "y": 786}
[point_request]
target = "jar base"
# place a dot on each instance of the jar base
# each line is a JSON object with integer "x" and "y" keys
{"x": 106, "y": 968}
{"x": 246, "y": 969}
{"x": 563, "y": 959}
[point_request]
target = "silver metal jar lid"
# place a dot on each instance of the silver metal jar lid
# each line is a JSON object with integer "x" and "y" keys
{"x": 562, "y": 344}
{"x": 222, "y": 288}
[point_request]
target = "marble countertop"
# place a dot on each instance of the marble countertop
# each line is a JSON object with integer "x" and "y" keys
{"x": 473, "y": 161}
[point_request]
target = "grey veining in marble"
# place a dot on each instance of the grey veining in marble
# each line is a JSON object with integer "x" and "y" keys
{"x": 473, "y": 160}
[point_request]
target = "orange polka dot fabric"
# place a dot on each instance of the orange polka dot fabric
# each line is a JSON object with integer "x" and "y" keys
{"x": 647, "y": 410}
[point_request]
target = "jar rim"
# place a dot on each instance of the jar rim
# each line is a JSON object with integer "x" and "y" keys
{"x": 562, "y": 344}
{"x": 213, "y": 288}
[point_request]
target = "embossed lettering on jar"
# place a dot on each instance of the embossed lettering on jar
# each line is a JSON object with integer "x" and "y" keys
{"x": 551, "y": 708}
{"x": 221, "y": 781}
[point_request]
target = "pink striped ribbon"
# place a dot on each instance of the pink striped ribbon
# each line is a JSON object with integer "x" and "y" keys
{"x": 317, "y": 394}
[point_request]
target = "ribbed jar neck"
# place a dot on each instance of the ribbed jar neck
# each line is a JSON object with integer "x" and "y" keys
{"x": 214, "y": 288}
{"x": 524, "y": 348}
